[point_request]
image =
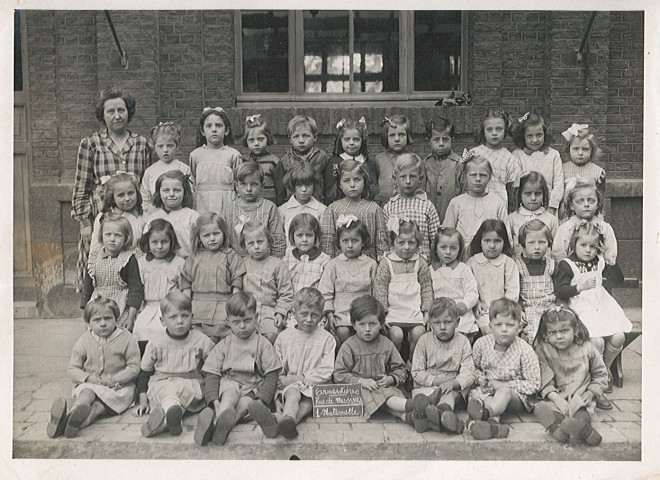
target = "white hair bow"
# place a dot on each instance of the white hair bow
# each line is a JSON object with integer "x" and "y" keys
{"x": 467, "y": 155}
{"x": 346, "y": 220}
{"x": 242, "y": 220}
{"x": 393, "y": 223}
{"x": 523, "y": 118}
{"x": 574, "y": 130}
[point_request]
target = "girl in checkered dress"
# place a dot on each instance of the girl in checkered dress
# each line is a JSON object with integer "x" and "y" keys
{"x": 537, "y": 290}
{"x": 495, "y": 125}
{"x": 115, "y": 273}
{"x": 583, "y": 151}
{"x": 305, "y": 261}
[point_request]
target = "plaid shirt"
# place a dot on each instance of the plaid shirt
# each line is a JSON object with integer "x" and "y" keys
{"x": 451, "y": 360}
{"x": 305, "y": 270}
{"x": 368, "y": 212}
{"x": 420, "y": 210}
{"x": 262, "y": 211}
{"x": 518, "y": 366}
{"x": 98, "y": 156}
{"x": 506, "y": 169}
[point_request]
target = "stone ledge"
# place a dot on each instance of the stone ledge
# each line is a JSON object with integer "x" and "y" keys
{"x": 624, "y": 187}
{"x": 478, "y": 450}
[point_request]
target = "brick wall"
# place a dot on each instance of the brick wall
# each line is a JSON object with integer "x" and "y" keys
{"x": 182, "y": 61}
{"x": 625, "y": 95}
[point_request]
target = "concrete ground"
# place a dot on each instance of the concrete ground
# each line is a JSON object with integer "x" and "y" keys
{"x": 40, "y": 376}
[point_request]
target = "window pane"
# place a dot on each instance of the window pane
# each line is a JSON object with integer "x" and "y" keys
{"x": 265, "y": 37}
{"x": 326, "y": 47}
{"x": 437, "y": 50}
{"x": 376, "y": 56}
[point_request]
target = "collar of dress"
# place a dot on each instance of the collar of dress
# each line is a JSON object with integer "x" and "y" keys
{"x": 421, "y": 194}
{"x": 311, "y": 255}
{"x": 395, "y": 258}
{"x": 530, "y": 151}
{"x": 360, "y": 158}
{"x": 481, "y": 259}
{"x": 528, "y": 213}
{"x": 344, "y": 258}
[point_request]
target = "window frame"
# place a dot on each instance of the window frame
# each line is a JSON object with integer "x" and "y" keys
{"x": 296, "y": 78}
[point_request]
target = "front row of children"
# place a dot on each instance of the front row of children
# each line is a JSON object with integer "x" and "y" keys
{"x": 183, "y": 371}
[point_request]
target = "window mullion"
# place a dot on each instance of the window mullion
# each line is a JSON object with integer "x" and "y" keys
{"x": 351, "y": 48}
{"x": 297, "y": 63}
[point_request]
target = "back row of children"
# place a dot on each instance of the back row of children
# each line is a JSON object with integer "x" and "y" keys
{"x": 183, "y": 371}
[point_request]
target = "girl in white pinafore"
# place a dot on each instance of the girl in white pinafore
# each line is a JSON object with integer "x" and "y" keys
{"x": 579, "y": 281}
{"x": 403, "y": 284}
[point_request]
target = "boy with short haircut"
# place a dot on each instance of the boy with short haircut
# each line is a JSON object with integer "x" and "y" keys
{"x": 442, "y": 367}
{"x": 508, "y": 372}
{"x": 302, "y": 132}
{"x": 307, "y": 353}
{"x": 301, "y": 181}
{"x": 411, "y": 203}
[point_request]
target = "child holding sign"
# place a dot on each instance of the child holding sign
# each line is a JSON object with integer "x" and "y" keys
{"x": 372, "y": 361}
{"x": 308, "y": 356}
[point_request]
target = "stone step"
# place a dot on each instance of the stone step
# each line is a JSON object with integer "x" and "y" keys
{"x": 26, "y": 309}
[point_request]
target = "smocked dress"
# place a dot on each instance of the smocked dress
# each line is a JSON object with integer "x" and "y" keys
{"x": 269, "y": 281}
{"x": 537, "y": 294}
{"x": 343, "y": 280}
{"x": 241, "y": 363}
{"x": 597, "y": 309}
{"x": 210, "y": 276}
{"x": 159, "y": 276}
{"x": 115, "y": 358}
{"x": 506, "y": 169}
{"x": 177, "y": 379}
{"x": 496, "y": 278}
{"x": 182, "y": 220}
{"x": 137, "y": 226}
{"x": 108, "y": 282}
{"x": 151, "y": 174}
{"x": 459, "y": 284}
{"x": 358, "y": 359}
{"x": 574, "y": 371}
{"x": 310, "y": 354}
{"x": 213, "y": 177}
{"x": 547, "y": 162}
{"x": 520, "y": 217}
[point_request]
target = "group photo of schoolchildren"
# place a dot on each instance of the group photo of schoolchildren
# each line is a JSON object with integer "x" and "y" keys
{"x": 227, "y": 286}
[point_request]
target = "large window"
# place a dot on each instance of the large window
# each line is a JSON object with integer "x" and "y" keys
{"x": 348, "y": 54}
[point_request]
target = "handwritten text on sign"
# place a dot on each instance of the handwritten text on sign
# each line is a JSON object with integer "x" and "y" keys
{"x": 341, "y": 400}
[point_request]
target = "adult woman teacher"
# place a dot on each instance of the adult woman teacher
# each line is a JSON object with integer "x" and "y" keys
{"x": 104, "y": 153}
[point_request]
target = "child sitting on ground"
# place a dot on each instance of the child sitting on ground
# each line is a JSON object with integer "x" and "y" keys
{"x": 508, "y": 372}
{"x": 442, "y": 368}
{"x": 171, "y": 366}
{"x": 308, "y": 356}
{"x": 104, "y": 364}
{"x": 241, "y": 368}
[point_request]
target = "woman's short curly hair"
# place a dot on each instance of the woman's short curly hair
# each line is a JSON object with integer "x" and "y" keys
{"x": 110, "y": 93}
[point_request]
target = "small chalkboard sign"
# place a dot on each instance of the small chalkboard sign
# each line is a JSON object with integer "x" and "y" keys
{"x": 340, "y": 400}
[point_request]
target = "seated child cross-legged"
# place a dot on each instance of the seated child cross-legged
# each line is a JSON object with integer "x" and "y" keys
{"x": 308, "y": 356}
{"x": 442, "y": 368}
{"x": 100, "y": 387}
{"x": 372, "y": 361}
{"x": 241, "y": 368}
{"x": 171, "y": 368}
{"x": 508, "y": 372}
{"x": 573, "y": 377}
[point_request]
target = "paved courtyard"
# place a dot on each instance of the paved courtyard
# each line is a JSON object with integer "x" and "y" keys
{"x": 40, "y": 376}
